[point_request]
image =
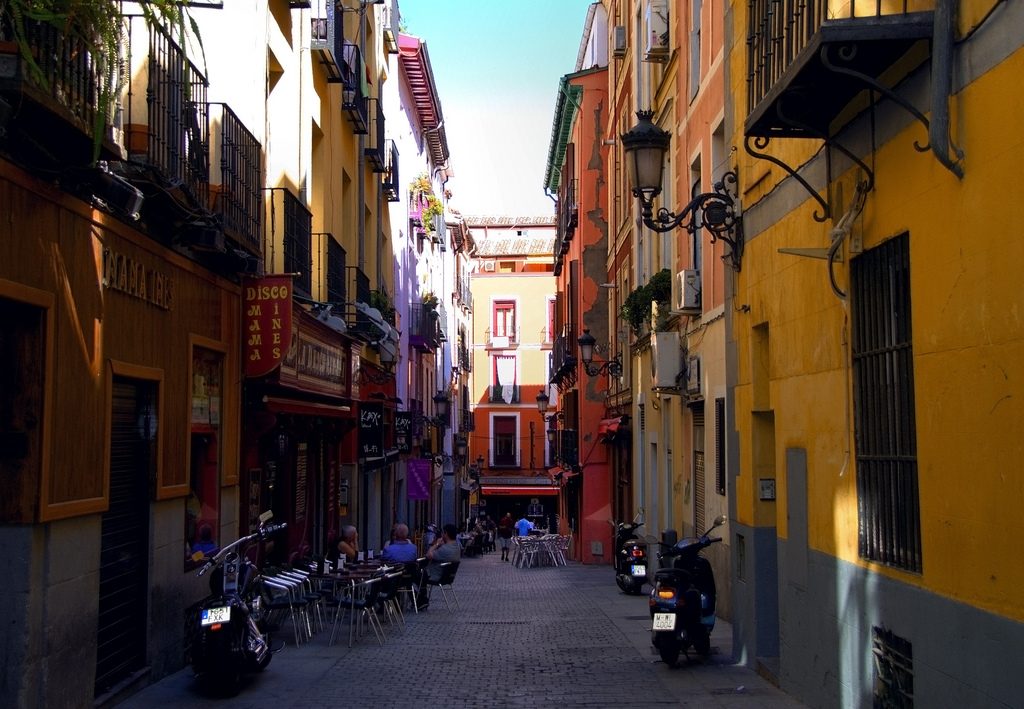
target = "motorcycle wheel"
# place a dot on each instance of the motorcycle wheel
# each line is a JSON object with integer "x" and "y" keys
{"x": 627, "y": 585}
{"x": 669, "y": 654}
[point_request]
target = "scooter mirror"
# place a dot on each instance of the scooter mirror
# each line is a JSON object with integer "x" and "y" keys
{"x": 720, "y": 520}
{"x": 266, "y": 517}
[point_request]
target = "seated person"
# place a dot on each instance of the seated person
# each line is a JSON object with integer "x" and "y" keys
{"x": 446, "y": 548}
{"x": 206, "y": 545}
{"x": 400, "y": 550}
{"x": 349, "y": 544}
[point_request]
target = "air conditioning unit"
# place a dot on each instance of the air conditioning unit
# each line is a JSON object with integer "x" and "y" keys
{"x": 693, "y": 375}
{"x": 489, "y": 266}
{"x": 619, "y": 41}
{"x": 656, "y": 27}
{"x": 665, "y": 361}
{"x": 687, "y": 291}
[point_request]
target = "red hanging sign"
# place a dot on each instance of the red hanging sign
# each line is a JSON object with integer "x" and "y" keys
{"x": 267, "y": 322}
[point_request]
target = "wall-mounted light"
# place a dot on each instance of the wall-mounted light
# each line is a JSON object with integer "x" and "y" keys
{"x": 645, "y": 146}
{"x": 587, "y": 343}
{"x": 542, "y": 402}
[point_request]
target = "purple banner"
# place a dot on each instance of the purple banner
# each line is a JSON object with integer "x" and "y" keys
{"x": 418, "y": 478}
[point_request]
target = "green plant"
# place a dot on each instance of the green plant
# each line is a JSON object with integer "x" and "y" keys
{"x": 380, "y": 300}
{"x": 433, "y": 209}
{"x": 636, "y": 308}
{"x": 420, "y": 187}
{"x": 95, "y": 25}
{"x": 430, "y": 300}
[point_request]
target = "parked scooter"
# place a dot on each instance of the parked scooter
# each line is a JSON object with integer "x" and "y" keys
{"x": 224, "y": 634}
{"x": 630, "y": 557}
{"x": 683, "y": 598}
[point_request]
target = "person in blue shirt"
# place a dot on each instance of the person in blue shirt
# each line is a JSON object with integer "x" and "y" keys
{"x": 401, "y": 550}
{"x": 523, "y": 526}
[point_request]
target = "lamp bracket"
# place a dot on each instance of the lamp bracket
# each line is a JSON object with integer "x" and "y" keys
{"x": 717, "y": 211}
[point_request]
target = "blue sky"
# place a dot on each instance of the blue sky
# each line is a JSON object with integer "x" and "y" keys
{"x": 496, "y": 67}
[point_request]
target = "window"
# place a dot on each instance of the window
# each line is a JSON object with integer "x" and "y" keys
{"x": 504, "y": 319}
{"x": 298, "y": 256}
{"x": 202, "y": 509}
{"x": 884, "y": 410}
{"x": 720, "y": 446}
{"x": 503, "y": 379}
{"x": 504, "y": 451}
{"x": 549, "y": 333}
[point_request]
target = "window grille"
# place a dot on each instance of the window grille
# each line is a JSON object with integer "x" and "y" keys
{"x": 894, "y": 669}
{"x": 883, "y": 384}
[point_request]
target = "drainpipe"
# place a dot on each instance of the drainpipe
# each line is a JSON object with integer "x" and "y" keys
{"x": 942, "y": 87}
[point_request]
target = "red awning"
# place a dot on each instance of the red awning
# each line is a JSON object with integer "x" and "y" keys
{"x": 525, "y": 490}
{"x": 283, "y": 405}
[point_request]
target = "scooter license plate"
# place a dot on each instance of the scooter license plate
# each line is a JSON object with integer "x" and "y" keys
{"x": 215, "y": 615}
{"x": 639, "y": 570}
{"x": 664, "y": 621}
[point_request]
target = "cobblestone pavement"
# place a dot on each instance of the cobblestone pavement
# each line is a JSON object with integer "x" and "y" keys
{"x": 562, "y": 636}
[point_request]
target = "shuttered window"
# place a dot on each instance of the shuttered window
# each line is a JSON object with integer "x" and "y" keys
{"x": 883, "y": 385}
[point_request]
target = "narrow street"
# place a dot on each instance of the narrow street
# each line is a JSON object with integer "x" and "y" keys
{"x": 562, "y": 637}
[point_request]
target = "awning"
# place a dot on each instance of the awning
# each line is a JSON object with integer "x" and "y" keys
{"x": 284, "y": 405}
{"x": 390, "y": 456}
{"x": 608, "y": 428}
{"x": 523, "y": 490}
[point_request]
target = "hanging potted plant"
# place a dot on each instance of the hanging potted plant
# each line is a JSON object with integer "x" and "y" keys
{"x": 636, "y": 308}
{"x": 429, "y": 216}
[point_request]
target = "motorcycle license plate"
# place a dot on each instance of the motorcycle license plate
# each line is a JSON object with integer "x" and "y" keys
{"x": 639, "y": 570}
{"x": 215, "y": 615}
{"x": 664, "y": 621}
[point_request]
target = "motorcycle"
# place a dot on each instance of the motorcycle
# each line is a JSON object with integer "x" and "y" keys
{"x": 630, "y": 557}
{"x": 682, "y": 599}
{"x": 224, "y": 633}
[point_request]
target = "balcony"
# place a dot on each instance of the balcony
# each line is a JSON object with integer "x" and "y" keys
{"x": 389, "y": 182}
{"x": 327, "y": 37}
{"x": 466, "y": 420}
{"x": 503, "y": 394}
{"x": 166, "y": 119}
{"x": 563, "y": 360}
{"x": 294, "y": 222}
{"x": 508, "y": 337}
{"x": 391, "y": 22}
{"x": 60, "y": 102}
{"x": 424, "y": 327}
{"x": 354, "y": 89}
{"x": 375, "y": 150}
{"x": 809, "y": 59}
{"x": 236, "y": 195}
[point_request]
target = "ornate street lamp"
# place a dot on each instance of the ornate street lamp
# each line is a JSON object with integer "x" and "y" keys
{"x": 645, "y": 145}
{"x": 586, "y": 341}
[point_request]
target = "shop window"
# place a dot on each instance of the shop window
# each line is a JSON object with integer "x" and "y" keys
{"x": 202, "y": 509}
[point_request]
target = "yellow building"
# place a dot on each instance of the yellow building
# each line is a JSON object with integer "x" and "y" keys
{"x": 876, "y": 350}
{"x": 513, "y": 294}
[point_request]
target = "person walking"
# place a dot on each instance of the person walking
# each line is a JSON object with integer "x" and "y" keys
{"x": 506, "y": 528}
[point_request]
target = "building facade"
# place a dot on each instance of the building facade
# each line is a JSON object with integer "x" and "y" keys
{"x": 874, "y": 354}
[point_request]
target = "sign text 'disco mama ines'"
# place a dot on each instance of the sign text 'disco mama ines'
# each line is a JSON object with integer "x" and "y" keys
{"x": 268, "y": 323}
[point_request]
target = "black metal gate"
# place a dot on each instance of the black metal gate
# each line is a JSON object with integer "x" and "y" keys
{"x": 124, "y": 548}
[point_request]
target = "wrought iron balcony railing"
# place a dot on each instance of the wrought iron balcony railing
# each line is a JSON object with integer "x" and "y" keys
{"x": 237, "y": 181}
{"x": 807, "y": 59}
{"x": 354, "y": 90}
{"x": 375, "y": 144}
{"x": 174, "y": 137}
{"x": 504, "y": 393}
{"x": 327, "y": 37}
{"x": 424, "y": 327}
{"x": 295, "y": 224}
{"x": 389, "y": 182}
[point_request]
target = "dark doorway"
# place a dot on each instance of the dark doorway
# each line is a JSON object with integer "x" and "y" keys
{"x": 124, "y": 547}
